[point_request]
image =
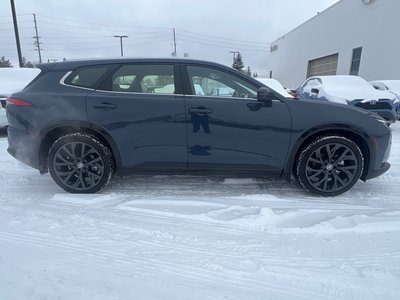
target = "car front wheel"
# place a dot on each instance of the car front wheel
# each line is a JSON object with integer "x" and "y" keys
{"x": 80, "y": 163}
{"x": 329, "y": 165}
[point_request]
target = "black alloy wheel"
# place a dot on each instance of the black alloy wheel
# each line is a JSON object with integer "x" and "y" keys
{"x": 80, "y": 163}
{"x": 329, "y": 166}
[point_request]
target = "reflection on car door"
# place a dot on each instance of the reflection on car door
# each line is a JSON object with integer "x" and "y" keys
{"x": 232, "y": 129}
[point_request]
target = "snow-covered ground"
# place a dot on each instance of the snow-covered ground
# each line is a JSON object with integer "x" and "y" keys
{"x": 178, "y": 237}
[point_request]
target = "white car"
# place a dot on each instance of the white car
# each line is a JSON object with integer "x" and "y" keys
{"x": 391, "y": 86}
{"x": 352, "y": 90}
{"x": 13, "y": 80}
{"x": 275, "y": 85}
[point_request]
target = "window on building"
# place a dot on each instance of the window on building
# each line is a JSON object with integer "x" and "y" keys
{"x": 355, "y": 61}
{"x": 326, "y": 65}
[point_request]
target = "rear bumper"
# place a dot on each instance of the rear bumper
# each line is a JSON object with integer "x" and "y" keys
{"x": 22, "y": 147}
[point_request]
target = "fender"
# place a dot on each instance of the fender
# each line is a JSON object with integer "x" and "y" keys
{"x": 311, "y": 133}
{"x": 72, "y": 126}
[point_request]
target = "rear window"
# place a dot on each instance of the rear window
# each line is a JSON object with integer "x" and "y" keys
{"x": 86, "y": 76}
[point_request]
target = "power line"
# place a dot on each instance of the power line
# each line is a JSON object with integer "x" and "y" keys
{"x": 10, "y": 16}
{"x": 203, "y": 36}
{"x": 192, "y": 41}
{"x": 101, "y": 24}
{"x": 188, "y": 33}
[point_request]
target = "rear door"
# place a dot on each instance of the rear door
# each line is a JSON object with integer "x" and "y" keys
{"x": 141, "y": 107}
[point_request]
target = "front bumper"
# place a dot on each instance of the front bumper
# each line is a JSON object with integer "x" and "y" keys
{"x": 376, "y": 173}
{"x": 389, "y": 115}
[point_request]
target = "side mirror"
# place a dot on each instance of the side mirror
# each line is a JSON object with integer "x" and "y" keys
{"x": 265, "y": 96}
{"x": 314, "y": 93}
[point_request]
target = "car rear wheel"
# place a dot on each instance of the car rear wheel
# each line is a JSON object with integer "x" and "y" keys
{"x": 329, "y": 166}
{"x": 80, "y": 163}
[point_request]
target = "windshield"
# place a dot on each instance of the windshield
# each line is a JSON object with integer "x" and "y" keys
{"x": 393, "y": 85}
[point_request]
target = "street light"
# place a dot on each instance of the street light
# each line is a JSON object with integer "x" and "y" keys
{"x": 120, "y": 39}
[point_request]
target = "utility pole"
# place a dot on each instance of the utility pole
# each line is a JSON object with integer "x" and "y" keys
{"x": 120, "y": 39}
{"x": 234, "y": 55}
{"x": 37, "y": 37}
{"x": 16, "y": 33}
{"x": 174, "y": 54}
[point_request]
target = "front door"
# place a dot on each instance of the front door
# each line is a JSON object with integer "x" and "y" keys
{"x": 228, "y": 129}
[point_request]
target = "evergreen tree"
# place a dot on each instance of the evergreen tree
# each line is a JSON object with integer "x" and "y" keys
{"x": 5, "y": 63}
{"x": 238, "y": 62}
{"x": 248, "y": 72}
{"x": 27, "y": 63}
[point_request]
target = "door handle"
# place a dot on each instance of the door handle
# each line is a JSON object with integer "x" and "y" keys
{"x": 200, "y": 110}
{"x": 105, "y": 106}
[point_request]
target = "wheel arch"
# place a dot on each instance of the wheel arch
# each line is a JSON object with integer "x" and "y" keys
{"x": 363, "y": 141}
{"x": 52, "y": 133}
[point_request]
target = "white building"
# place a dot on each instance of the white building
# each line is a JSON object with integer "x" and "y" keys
{"x": 359, "y": 37}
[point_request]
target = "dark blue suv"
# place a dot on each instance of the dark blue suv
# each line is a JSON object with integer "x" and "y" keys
{"x": 85, "y": 121}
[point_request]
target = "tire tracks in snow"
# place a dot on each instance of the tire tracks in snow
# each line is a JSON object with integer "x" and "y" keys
{"x": 193, "y": 274}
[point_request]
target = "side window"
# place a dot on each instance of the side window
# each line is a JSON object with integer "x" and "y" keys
{"x": 305, "y": 90}
{"x": 143, "y": 78}
{"x": 215, "y": 83}
{"x": 380, "y": 86}
{"x": 377, "y": 86}
{"x": 86, "y": 76}
{"x": 312, "y": 82}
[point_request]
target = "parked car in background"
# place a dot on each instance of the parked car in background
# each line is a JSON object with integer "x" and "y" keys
{"x": 352, "y": 90}
{"x": 391, "y": 86}
{"x": 13, "y": 80}
{"x": 75, "y": 122}
{"x": 275, "y": 85}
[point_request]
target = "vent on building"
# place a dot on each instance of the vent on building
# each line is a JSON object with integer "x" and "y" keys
{"x": 367, "y": 1}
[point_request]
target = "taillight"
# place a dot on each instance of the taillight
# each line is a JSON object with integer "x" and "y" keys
{"x": 18, "y": 102}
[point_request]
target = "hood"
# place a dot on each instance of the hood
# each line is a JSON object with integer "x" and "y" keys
{"x": 352, "y": 88}
{"x": 358, "y": 94}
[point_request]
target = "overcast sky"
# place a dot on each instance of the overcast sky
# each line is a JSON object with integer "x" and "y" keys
{"x": 206, "y": 29}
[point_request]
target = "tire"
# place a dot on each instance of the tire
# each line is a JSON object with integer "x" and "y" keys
{"x": 80, "y": 163}
{"x": 329, "y": 165}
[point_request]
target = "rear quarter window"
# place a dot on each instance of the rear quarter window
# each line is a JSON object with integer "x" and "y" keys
{"x": 87, "y": 77}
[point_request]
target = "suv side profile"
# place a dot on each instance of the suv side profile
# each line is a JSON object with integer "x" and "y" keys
{"x": 85, "y": 121}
